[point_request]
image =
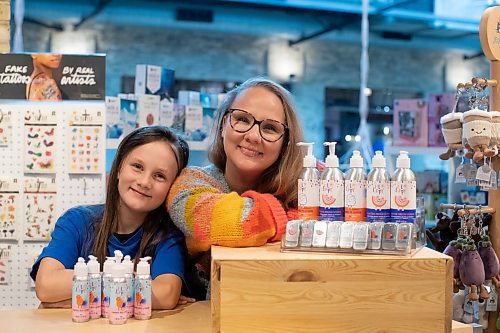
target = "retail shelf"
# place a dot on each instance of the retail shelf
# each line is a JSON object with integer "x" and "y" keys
{"x": 394, "y": 150}
{"x": 193, "y": 145}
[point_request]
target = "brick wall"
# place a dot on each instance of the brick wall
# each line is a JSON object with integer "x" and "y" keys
{"x": 4, "y": 25}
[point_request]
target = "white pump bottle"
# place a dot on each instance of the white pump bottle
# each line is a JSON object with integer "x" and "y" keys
{"x": 308, "y": 186}
{"x": 331, "y": 206}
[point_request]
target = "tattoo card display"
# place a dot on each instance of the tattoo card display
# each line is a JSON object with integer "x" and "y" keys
{"x": 40, "y": 147}
{"x": 5, "y": 263}
{"x": 42, "y": 194}
{"x": 5, "y": 127}
{"x": 40, "y": 207}
{"x": 85, "y": 137}
{"x": 9, "y": 207}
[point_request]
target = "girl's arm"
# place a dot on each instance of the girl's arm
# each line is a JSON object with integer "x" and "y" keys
{"x": 166, "y": 289}
{"x": 208, "y": 215}
{"x": 53, "y": 281}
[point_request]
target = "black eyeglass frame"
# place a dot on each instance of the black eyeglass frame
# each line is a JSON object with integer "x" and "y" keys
{"x": 258, "y": 122}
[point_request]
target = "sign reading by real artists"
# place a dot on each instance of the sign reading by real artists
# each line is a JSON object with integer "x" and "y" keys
{"x": 52, "y": 77}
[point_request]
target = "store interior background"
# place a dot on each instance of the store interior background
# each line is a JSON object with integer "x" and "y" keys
{"x": 416, "y": 48}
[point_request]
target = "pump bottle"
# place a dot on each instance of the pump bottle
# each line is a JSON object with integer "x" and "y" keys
{"x": 80, "y": 294}
{"x": 95, "y": 285}
{"x": 118, "y": 296}
{"x": 403, "y": 191}
{"x": 129, "y": 278}
{"x": 142, "y": 307}
{"x": 355, "y": 189}
{"x": 378, "y": 191}
{"x": 106, "y": 285}
{"x": 308, "y": 186}
{"x": 331, "y": 205}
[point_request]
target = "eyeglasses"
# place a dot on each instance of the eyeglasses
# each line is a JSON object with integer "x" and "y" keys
{"x": 270, "y": 130}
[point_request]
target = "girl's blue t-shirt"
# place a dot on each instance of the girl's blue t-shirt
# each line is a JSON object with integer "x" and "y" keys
{"x": 70, "y": 240}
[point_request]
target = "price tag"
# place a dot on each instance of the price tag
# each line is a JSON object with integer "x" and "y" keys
{"x": 460, "y": 174}
{"x": 484, "y": 173}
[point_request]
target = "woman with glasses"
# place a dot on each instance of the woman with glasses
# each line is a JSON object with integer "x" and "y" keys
{"x": 247, "y": 196}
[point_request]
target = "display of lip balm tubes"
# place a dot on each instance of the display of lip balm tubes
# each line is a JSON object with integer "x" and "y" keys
{"x": 352, "y": 237}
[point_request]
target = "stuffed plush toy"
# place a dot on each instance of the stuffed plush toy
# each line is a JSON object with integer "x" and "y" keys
{"x": 477, "y": 133}
{"x": 451, "y": 126}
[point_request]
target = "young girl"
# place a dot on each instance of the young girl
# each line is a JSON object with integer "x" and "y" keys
{"x": 243, "y": 198}
{"x": 133, "y": 220}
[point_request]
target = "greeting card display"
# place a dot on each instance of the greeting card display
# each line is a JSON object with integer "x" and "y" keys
{"x": 410, "y": 122}
{"x": 5, "y": 263}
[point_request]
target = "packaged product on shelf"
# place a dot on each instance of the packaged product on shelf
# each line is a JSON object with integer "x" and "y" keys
{"x": 193, "y": 126}
{"x": 128, "y": 115}
{"x": 148, "y": 110}
{"x": 114, "y": 127}
{"x": 179, "y": 117}
{"x": 189, "y": 97}
{"x": 319, "y": 236}
{"x": 166, "y": 112}
{"x": 154, "y": 80}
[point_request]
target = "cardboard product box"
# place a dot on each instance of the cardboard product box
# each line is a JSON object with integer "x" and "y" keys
{"x": 209, "y": 101}
{"x": 166, "y": 112}
{"x": 439, "y": 105}
{"x": 148, "y": 110}
{"x": 194, "y": 123}
{"x": 189, "y": 97}
{"x": 410, "y": 123}
{"x": 260, "y": 289}
{"x": 128, "y": 115}
{"x": 154, "y": 80}
{"x": 114, "y": 127}
{"x": 179, "y": 119}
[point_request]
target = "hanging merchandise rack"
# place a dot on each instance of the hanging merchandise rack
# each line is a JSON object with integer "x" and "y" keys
{"x": 488, "y": 34}
{"x": 469, "y": 209}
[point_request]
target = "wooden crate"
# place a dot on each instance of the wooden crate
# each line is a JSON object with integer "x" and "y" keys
{"x": 261, "y": 289}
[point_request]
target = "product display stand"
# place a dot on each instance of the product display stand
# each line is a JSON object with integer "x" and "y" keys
{"x": 490, "y": 43}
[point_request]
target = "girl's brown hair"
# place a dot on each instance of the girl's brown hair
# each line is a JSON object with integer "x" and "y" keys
{"x": 281, "y": 178}
{"x": 157, "y": 224}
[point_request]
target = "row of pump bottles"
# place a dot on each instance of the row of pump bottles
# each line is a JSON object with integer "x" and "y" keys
{"x": 356, "y": 196}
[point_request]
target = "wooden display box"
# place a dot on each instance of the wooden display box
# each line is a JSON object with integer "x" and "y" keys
{"x": 261, "y": 289}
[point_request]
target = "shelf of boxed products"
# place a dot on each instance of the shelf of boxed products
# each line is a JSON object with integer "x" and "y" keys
{"x": 193, "y": 145}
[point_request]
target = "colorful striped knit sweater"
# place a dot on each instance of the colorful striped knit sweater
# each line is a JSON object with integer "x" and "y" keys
{"x": 205, "y": 209}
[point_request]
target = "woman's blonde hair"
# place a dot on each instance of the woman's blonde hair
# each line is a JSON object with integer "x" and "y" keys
{"x": 281, "y": 178}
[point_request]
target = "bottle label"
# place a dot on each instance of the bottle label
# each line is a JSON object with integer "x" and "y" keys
{"x": 378, "y": 201}
{"x": 118, "y": 303}
{"x": 106, "y": 285}
{"x": 332, "y": 200}
{"x": 308, "y": 201}
{"x": 142, "y": 306}
{"x": 403, "y": 201}
{"x": 95, "y": 297}
{"x": 80, "y": 300}
{"x": 130, "y": 295}
{"x": 355, "y": 200}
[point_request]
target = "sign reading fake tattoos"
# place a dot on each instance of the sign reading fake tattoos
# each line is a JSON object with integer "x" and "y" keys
{"x": 47, "y": 76}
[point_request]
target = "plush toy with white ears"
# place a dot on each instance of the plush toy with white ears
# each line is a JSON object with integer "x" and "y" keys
{"x": 477, "y": 130}
{"x": 451, "y": 127}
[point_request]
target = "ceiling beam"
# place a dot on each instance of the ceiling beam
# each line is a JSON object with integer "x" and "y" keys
{"x": 346, "y": 22}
